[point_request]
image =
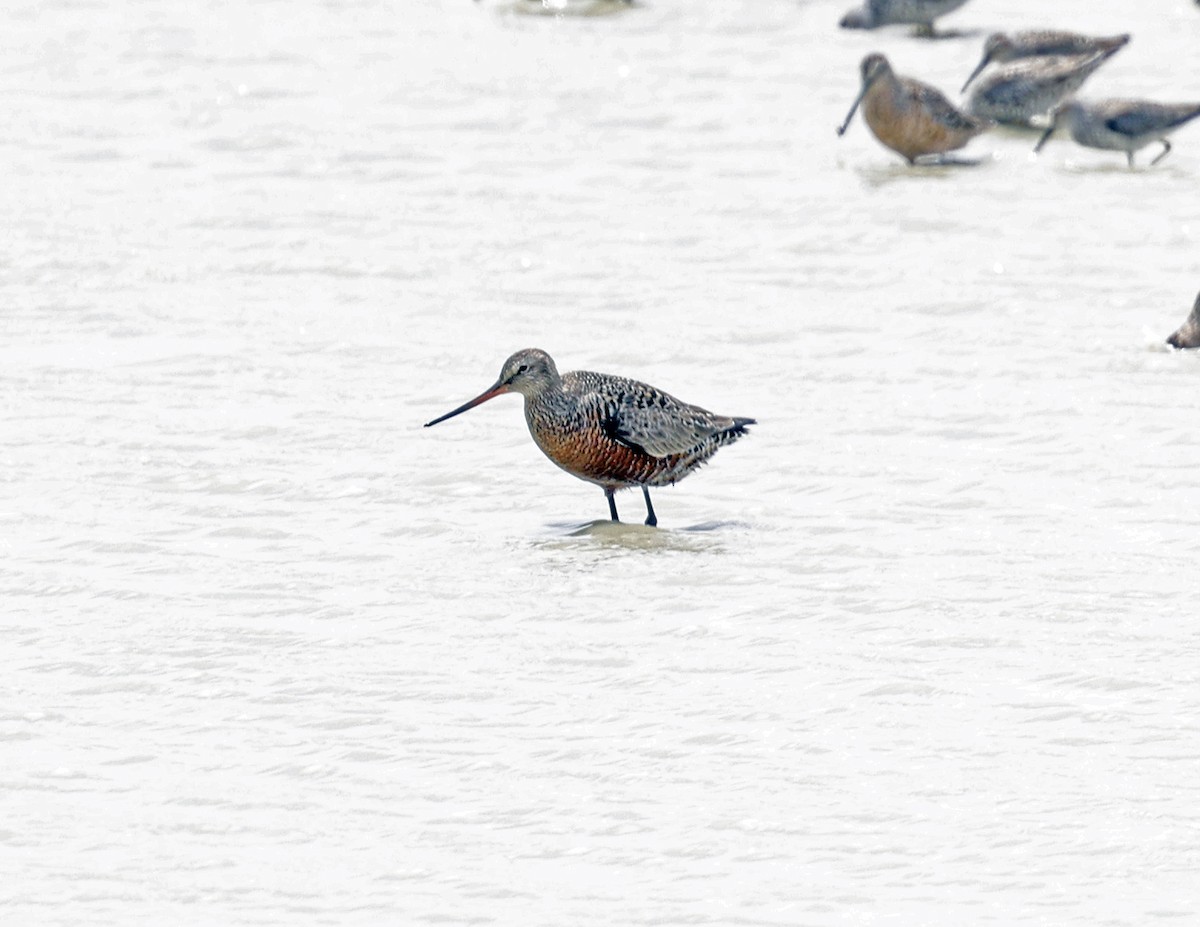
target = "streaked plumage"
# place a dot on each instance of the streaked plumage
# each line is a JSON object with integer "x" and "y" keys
{"x": 1121, "y": 125}
{"x": 1017, "y": 93}
{"x": 909, "y": 117}
{"x": 1002, "y": 47}
{"x": 609, "y": 430}
{"x": 1188, "y": 334}
{"x": 920, "y": 13}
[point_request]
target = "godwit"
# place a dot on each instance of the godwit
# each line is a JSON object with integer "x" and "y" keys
{"x": 613, "y": 432}
{"x": 920, "y": 13}
{"x": 1015, "y": 93}
{"x": 1188, "y": 335}
{"x": 909, "y": 117}
{"x": 1002, "y": 47}
{"x": 1121, "y": 125}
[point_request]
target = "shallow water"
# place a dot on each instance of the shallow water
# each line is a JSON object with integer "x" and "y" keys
{"x": 921, "y": 649}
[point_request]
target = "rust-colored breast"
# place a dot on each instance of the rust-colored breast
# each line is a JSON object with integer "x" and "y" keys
{"x": 590, "y": 454}
{"x": 593, "y": 427}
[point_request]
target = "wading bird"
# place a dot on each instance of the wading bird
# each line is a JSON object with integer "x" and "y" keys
{"x": 1002, "y": 47}
{"x": 909, "y": 117}
{"x": 1017, "y": 93}
{"x": 920, "y": 13}
{"x": 1121, "y": 125}
{"x": 608, "y": 430}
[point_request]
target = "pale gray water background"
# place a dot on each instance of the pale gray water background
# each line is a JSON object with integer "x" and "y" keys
{"x": 271, "y": 653}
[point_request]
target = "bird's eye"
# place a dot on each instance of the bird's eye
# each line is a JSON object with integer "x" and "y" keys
{"x": 522, "y": 368}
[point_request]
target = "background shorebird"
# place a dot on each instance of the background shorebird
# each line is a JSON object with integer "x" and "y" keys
{"x": 909, "y": 117}
{"x": 1188, "y": 334}
{"x": 1121, "y": 125}
{"x": 1002, "y": 47}
{"x": 608, "y": 430}
{"x": 920, "y": 13}
{"x": 1019, "y": 92}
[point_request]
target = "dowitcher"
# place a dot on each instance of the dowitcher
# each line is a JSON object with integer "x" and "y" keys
{"x": 1016, "y": 93}
{"x": 1121, "y": 125}
{"x": 909, "y": 117}
{"x": 1188, "y": 335}
{"x": 608, "y": 430}
{"x": 1002, "y": 47}
{"x": 920, "y": 13}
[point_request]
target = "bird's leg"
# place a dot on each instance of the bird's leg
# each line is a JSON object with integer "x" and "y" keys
{"x": 651, "y": 518}
{"x": 1166, "y": 150}
{"x": 1129, "y": 158}
{"x": 612, "y": 504}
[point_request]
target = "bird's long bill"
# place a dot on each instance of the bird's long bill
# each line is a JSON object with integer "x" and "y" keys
{"x": 498, "y": 388}
{"x": 1045, "y": 137}
{"x": 983, "y": 63}
{"x": 853, "y": 109}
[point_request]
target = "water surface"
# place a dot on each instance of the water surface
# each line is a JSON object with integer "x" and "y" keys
{"x": 921, "y": 649}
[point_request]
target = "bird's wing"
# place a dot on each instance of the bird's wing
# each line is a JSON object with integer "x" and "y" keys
{"x": 945, "y": 112}
{"x": 1143, "y": 120}
{"x": 1136, "y": 121}
{"x": 659, "y": 424}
